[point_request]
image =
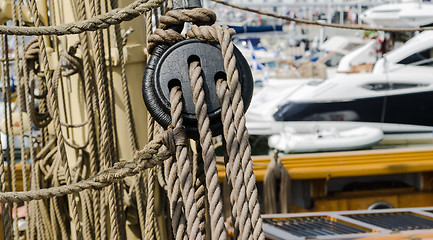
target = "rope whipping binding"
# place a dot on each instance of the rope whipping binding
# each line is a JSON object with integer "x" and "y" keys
{"x": 52, "y": 175}
{"x": 244, "y": 199}
{"x": 49, "y": 153}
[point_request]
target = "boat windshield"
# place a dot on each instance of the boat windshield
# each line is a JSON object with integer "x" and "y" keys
{"x": 422, "y": 58}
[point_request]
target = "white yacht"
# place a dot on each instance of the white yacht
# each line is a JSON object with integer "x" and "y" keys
{"x": 396, "y": 97}
{"x": 405, "y": 14}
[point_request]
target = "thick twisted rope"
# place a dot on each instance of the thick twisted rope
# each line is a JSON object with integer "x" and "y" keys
{"x": 173, "y": 182}
{"x": 184, "y": 167}
{"x": 208, "y": 152}
{"x": 173, "y": 18}
{"x": 223, "y": 36}
{"x": 200, "y": 190}
{"x": 240, "y": 212}
{"x": 152, "y": 154}
{"x": 102, "y": 21}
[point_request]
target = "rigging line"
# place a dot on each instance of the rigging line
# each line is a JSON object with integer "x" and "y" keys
{"x": 101, "y": 21}
{"x": 152, "y": 154}
{"x": 333, "y": 25}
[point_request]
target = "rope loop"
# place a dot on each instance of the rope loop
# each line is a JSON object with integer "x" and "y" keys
{"x": 198, "y": 16}
{"x": 165, "y": 35}
{"x": 154, "y": 153}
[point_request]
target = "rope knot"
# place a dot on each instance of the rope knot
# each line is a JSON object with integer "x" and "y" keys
{"x": 164, "y": 35}
{"x": 70, "y": 62}
{"x": 174, "y": 137}
{"x": 199, "y": 16}
{"x": 214, "y": 33}
{"x": 168, "y": 139}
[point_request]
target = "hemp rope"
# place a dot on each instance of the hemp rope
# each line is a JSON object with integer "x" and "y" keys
{"x": 106, "y": 150}
{"x": 208, "y": 152}
{"x": 6, "y": 208}
{"x": 152, "y": 154}
{"x": 276, "y": 171}
{"x": 238, "y": 194}
{"x": 242, "y": 208}
{"x": 200, "y": 190}
{"x": 138, "y": 7}
{"x": 89, "y": 95}
{"x": 223, "y": 36}
{"x": 22, "y": 104}
{"x": 126, "y": 100}
{"x": 18, "y": 91}
{"x": 184, "y": 166}
{"x": 97, "y": 22}
{"x": 149, "y": 225}
{"x": 175, "y": 198}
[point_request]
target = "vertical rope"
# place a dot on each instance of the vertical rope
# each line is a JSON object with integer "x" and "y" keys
{"x": 18, "y": 91}
{"x": 242, "y": 136}
{"x": 89, "y": 95}
{"x": 214, "y": 191}
{"x": 106, "y": 152}
{"x": 150, "y": 206}
{"x": 238, "y": 194}
{"x": 173, "y": 182}
{"x": 55, "y": 109}
{"x": 6, "y": 207}
{"x": 9, "y": 134}
{"x": 184, "y": 171}
{"x": 21, "y": 102}
{"x": 32, "y": 222}
{"x": 200, "y": 190}
{"x": 139, "y": 194}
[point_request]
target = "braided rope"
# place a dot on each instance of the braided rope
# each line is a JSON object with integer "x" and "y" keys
{"x": 106, "y": 140}
{"x": 150, "y": 206}
{"x": 184, "y": 168}
{"x": 200, "y": 190}
{"x": 54, "y": 105}
{"x": 242, "y": 136}
{"x": 98, "y": 22}
{"x": 149, "y": 226}
{"x": 214, "y": 191}
{"x": 223, "y": 36}
{"x": 233, "y": 169}
{"x": 93, "y": 147}
{"x": 173, "y": 183}
{"x": 18, "y": 74}
{"x": 6, "y": 208}
{"x": 22, "y": 104}
{"x": 152, "y": 154}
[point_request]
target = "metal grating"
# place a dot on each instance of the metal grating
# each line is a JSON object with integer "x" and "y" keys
{"x": 313, "y": 226}
{"x": 397, "y": 221}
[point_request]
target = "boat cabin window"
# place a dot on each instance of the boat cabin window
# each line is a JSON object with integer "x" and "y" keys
{"x": 391, "y": 86}
{"x": 423, "y": 58}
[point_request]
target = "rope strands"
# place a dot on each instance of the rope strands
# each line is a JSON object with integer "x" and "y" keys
{"x": 212, "y": 185}
{"x": 77, "y": 162}
{"x": 102, "y": 21}
{"x": 152, "y": 154}
{"x": 184, "y": 167}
